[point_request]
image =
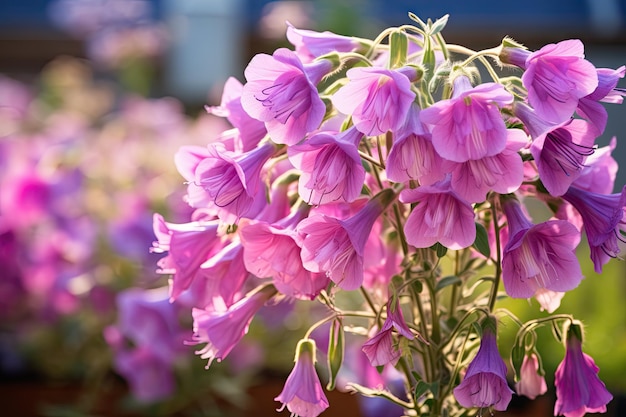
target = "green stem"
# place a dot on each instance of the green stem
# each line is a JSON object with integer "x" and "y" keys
{"x": 496, "y": 282}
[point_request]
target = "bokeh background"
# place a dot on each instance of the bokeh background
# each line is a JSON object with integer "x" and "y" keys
{"x": 95, "y": 98}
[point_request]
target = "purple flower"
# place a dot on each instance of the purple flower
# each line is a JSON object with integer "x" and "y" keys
{"x": 559, "y": 150}
{"x": 380, "y": 349}
{"x": 310, "y": 44}
{"x": 336, "y": 247}
{"x": 227, "y": 182}
{"x": 557, "y": 76}
{"x": 303, "y": 394}
{"x": 222, "y": 330}
{"x": 189, "y": 245}
{"x": 330, "y": 167}
{"x": 598, "y": 174}
{"x": 378, "y": 99}
{"x": 412, "y": 155}
{"x": 469, "y": 124}
{"x": 538, "y": 256}
{"x": 604, "y": 221}
{"x": 281, "y": 92}
{"x": 590, "y": 107}
{"x": 485, "y": 384}
{"x": 531, "y": 384}
{"x": 249, "y": 131}
{"x": 440, "y": 216}
{"x": 579, "y": 390}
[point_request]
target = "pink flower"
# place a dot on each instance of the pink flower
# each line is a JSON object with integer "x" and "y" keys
{"x": 538, "y": 256}
{"x": 557, "y": 76}
{"x": 378, "y": 99}
{"x": 222, "y": 330}
{"x": 559, "y": 150}
{"x": 330, "y": 167}
{"x": 590, "y": 108}
{"x": 485, "y": 384}
{"x": 282, "y": 93}
{"x": 604, "y": 220}
{"x": 336, "y": 247}
{"x": 189, "y": 245}
{"x": 441, "y": 215}
{"x": 380, "y": 349}
{"x": 249, "y": 131}
{"x": 531, "y": 384}
{"x": 227, "y": 182}
{"x": 579, "y": 390}
{"x": 598, "y": 174}
{"x": 549, "y": 300}
{"x": 303, "y": 394}
{"x": 469, "y": 124}
{"x": 310, "y": 44}
{"x": 502, "y": 173}
{"x": 271, "y": 250}
{"x": 412, "y": 155}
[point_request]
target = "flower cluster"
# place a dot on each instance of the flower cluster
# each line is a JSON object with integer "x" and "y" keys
{"x": 385, "y": 174}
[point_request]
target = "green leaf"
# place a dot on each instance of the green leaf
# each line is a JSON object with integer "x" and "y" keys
{"x": 440, "y": 249}
{"x": 439, "y": 24}
{"x": 481, "y": 244}
{"x": 447, "y": 281}
{"x": 420, "y": 389}
{"x": 335, "y": 352}
{"x": 398, "y": 45}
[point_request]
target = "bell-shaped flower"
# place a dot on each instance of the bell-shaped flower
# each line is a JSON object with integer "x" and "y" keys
{"x": 222, "y": 330}
{"x": 440, "y": 215}
{"x": 502, "y": 173}
{"x": 249, "y": 131}
{"x": 310, "y": 44}
{"x": 600, "y": 170}
{"x": 336, "y": 247}
{"x": 485, "y": 384}
{"x": 330, "y": 167}
{"x": 604, "y": 221}
{"x": 412, "y": 155}
{"x": 590, "y": 107}
{"x": 538, "y": 256}
{"x": 380, "y": 348}
{"x": 303, "y": 394}
{"x": 531, "y": 383}
{"x": 556, "y": 76}
{"x": 377, "y": 99}
{"x": 579, "y": 390}
{"x": 559, "y": 150}
{"x": 281, "y": 91}
{"x": 469, "y": 124}
{"x": 231, "y": 183}
{"x": 271, "y": 250}
{"x": 189, "y": 245}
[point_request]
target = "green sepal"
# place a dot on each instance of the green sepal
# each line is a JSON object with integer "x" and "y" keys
{"x": 398, "y": 49}
{"x": 335, "y": 351}
{"x": 447, "y": 281}
{"x": 517, "y": 357}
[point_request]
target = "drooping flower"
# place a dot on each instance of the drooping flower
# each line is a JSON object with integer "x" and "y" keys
{"x": 336, "y": 247}
{"x": 228, "y": 183}
{"x": 380, "y": 349}
{"x": 330, "y": 167}
{"x": 412, "y": 155}
{"x": 271, "y": 250}
{"x": 556, "y": 76}
{"x": 281, "y": 92}
{"x": 249, "y": 131}
{"x": 303, "y": 394}
{"x": 579, "y": 390}
{"x": 538, "y": 256}
{"x": 189, "y": 245}
{"x": 222, "y": 330}
{"x": 378, "y": 99}
{"x": 502, "y": 173}
{"x": 600, "y": 170}
{"x": 485, "y": 384}
{"x": 531, "y": 384}
{"x": 440, "y": 216}
{"x": 604, "y": 221}
{"x": 469, "y": 124}
{"x": 310, "y": 44}
{"x": 559, "y": 150}
{"x": 590, "y": 106}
